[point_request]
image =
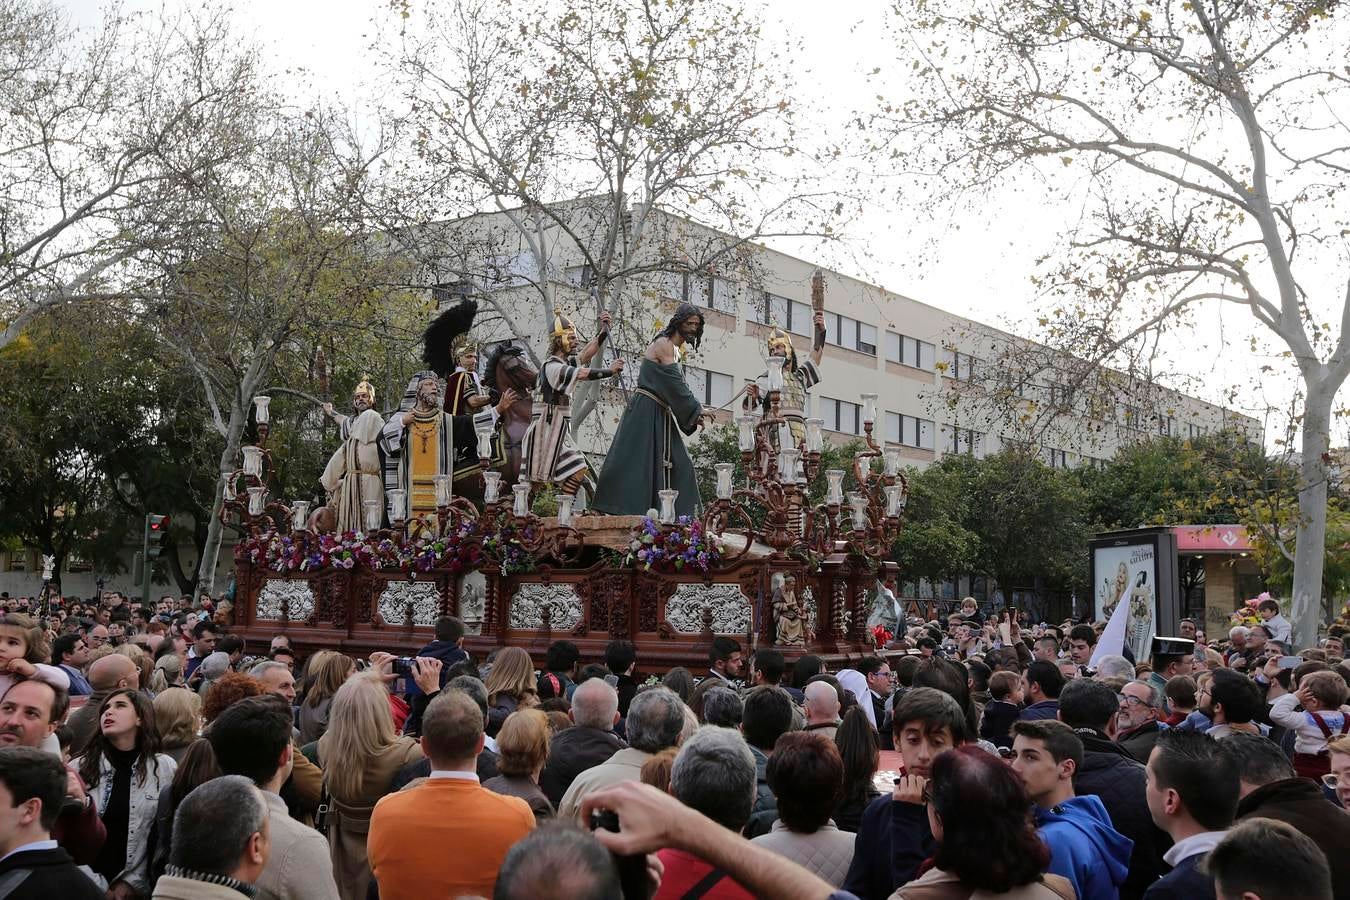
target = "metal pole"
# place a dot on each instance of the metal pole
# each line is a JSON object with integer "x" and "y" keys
{"x": 145, "y": 563}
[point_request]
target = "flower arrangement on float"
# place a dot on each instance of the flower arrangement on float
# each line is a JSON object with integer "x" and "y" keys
{"x": 672, "y": 548}
{"x": 457, "y": 551}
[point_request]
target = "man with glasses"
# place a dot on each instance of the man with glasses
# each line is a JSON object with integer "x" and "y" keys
{"x": 879, "y": 687}
{"x": 97, "y": 636}
{"x": 1137, "y": 723}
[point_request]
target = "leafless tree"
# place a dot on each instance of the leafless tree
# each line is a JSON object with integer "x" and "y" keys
{"x": 100, "y": 129}
{"x": 583, "y": 127}
{"x": 1208, "y": 145}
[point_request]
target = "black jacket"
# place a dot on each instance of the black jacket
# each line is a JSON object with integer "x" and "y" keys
{"x": 1186, "y": 882}
{"x": 997, "y": 721}
{"x": 1117, "y": 779}
{"x": 1300, "y": 802}
{"x": 627, "y": 688}
{"x": 52, "y": 874}
{"x": 892, "y": 843}
{"x": 1140, "y": 743}
{"x": 571, "y": 752}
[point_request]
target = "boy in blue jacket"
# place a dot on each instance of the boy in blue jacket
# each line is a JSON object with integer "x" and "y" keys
{"x": 1084, "y": 847}
{"x": 894, "y": 837}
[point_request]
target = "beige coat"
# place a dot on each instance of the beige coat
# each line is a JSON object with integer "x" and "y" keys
{"x": 349, "y": 819}
{"x": 299, "y": 866}
{"x": 624, "y": 765}
{"x": 172, "y": 887}
{"x": 939, "y": 885}
{"x": 827, "y": 852}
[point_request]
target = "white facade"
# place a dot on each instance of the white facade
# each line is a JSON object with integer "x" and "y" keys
{"x": 923, "y": 362}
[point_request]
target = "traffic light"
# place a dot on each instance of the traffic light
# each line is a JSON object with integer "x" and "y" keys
{"x": 156, "y": 531}
{"x": 152, "y": 547}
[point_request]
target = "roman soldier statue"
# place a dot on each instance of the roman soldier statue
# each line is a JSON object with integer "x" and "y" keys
{"x": 548, "y": 455}
{"x": 798, "y": 376}
{"x": 353, "y": 474}
{"x": 450, "y": 352}
{"x": 647, "y": 453}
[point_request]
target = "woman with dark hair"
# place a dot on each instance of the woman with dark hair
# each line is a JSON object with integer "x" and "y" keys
{"x": 980, "y": 816}
{"x": 804, "y": 669}
{"x": 125, "y": 774}
{"x": 860, "y": 750}
{"x": 806, "y": 774}
{"x": 197, "y": 767}
{"x": 952, "y": 679}
{"x": 681, "y": 681}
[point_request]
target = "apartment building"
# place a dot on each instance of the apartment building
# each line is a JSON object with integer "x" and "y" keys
{"x": 945, "y": 383}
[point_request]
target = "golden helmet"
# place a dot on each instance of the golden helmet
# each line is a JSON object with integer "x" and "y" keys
{"x": 779, "y": 339}
{"x": 562, "y": 324}
{"x": 364, "y": 386}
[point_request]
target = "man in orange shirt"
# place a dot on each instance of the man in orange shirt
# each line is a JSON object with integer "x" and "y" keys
{"x": 412, "y": 832}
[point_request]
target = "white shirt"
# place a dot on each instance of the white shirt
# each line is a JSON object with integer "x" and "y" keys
{"x": 1185, "y": 848}
{"x": 457, "y": 775}
{"x": 35, "y": 845}
{"x": 1279, "y": 628}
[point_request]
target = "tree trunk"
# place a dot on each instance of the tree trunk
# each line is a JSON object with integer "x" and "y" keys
{"x": 1310, "y": 539}
{"x": 206, "y": 566}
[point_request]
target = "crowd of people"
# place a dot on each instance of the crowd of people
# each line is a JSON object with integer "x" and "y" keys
{"x": 146, "y": 753}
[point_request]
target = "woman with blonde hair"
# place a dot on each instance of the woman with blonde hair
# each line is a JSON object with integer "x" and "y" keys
{"x": 326, "y": 672}
{"x": 168, "y": 672}
{"x": 360, "y": 754}
{"x": 522, "y": 749}
{"x": 511, "y": 685}
{"x": 178, "y": 715}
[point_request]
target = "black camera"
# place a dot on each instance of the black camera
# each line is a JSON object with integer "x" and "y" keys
{"x": 403, "y": 666}
{"x": 633, "y": 878}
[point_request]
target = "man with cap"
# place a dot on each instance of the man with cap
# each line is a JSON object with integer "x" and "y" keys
{"x": 419, "y": 443}
{"x": 1171, "y": 656}
{"x": 647, "y": 454}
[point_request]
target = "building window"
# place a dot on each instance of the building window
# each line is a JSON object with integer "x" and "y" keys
{"x": 713, "y": 389}
{"x": 582, "y": 277}
{"x": 850, "y": 334}
{"x": 908, "y": 351}
{"x": 1194, "y": 431}
{"x": 1057, "y": 459}
{"x": 841, "y": 416}
{"x": 909, "y": 430}
{"x": 449, "y": 292}
{"x": 1166, "y": 425}
{"x": 724, "y": 296}
{"x": 965, "y": 440}
{"x": 958, "y": 365}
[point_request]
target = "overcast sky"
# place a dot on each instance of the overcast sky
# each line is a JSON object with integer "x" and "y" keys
{"x": 976, "y": 264}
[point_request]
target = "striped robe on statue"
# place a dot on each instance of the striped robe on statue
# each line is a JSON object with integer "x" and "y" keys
{"x": 409, "y": 466}
{"x": 547, "y": 453}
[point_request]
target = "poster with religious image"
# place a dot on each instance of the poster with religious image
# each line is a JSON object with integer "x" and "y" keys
{"x": 1128, "y": 574}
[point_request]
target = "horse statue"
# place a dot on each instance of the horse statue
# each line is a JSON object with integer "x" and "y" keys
{"x": 507, "y": 366}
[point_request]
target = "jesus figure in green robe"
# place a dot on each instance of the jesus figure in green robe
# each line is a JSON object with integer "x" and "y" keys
{"x": 648, "y": 453}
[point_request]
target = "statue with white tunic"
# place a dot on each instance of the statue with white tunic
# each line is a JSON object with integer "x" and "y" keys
{"x": 354, "y": 474}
